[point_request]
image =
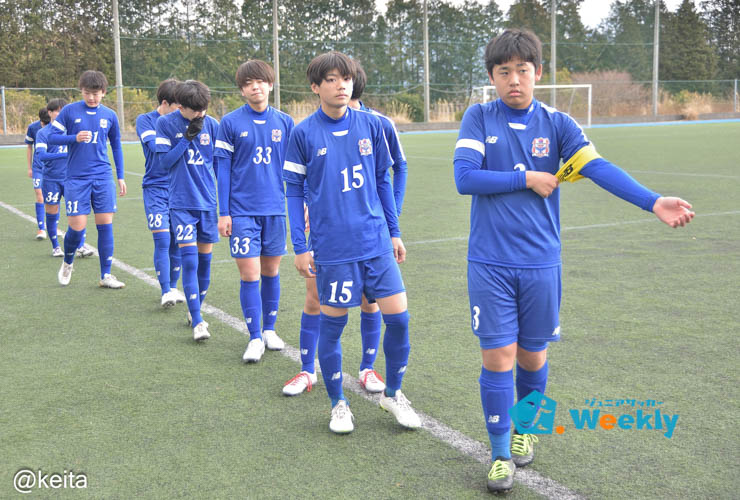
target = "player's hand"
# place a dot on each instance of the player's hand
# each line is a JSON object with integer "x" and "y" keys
{"x": 196, "y": 125}
{"x": 84, "y": 136}
{"x": 224, "y": 225}
{"x": 541, "y": 183}
{"x": 30, "y": 173}
{"x": 673, "y": 211}
{"x": 122, "y": 189}
{"x": 399, "y": 250}
{"x": 305, "y": 265}
{"x": 305, "y": 218}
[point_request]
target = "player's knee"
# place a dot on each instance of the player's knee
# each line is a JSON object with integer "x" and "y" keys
{"x": 531, "y": 355}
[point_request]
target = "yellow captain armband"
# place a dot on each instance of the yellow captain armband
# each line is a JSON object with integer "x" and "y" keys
{"x": 571, "y": 168}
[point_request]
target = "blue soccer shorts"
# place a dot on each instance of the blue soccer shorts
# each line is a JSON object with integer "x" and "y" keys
{"x": 82, "y": 194}
{"x": 342, "y": 285}
{"x": 253, "y": 236}
{"x": 52, "y": 191}
{"x": 37, "y": 178}
{"x": 510, "y": 305}
{"x": 157, "y": 207}
{"x": 194, "y": 226}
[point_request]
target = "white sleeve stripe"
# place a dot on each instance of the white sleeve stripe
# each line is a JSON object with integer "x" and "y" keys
{"x": 163, "y": 140}
{"x": 224, "y": 145}
{"x": 59, "y": 126}
{"x": 41, "y": 145}
{"x": 147, "y": 134}
{"x": 472, "y": 144}
{"x": 295, "y": 167}
{"x": 29, "y": 138}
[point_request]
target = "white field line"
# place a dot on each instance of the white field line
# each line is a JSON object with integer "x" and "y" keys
{"x": 457, "y": 440}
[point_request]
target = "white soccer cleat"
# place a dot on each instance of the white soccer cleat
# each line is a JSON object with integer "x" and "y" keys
{"x": 190, "y": 320}
{"x": 179, "y": 296}
{"x": 168, "y": 299}
{"x": 301, "y": 382}
{"x": 254, "y": 352}
{"x": 341, "y": 418}
{"x": 400, "y": 407}
{"x": 84, "y": 251}
{"x": 110, "y": 281}
{"x": 272, "y": 341}
{"x": 200, "y": 332}
{"x": 41, "y": 235}
{"x": 65, "y": 273}
{"x": 371, "y": 381}
{"x": 57, "y": 252}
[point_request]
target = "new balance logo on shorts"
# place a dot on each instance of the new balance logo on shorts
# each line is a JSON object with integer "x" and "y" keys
{"x": 336, "y": 375}
{"x": 556, "y": 331}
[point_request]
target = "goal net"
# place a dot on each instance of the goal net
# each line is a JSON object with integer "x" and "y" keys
{"x": 572, "y": 99}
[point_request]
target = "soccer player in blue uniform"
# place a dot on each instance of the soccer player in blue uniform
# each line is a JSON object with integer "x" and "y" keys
{"x": 507, "y": 157}
{"x": 250, "y": 151}
{"x": 342, "y": 157}
{"x": 185, "y": 147}
{"x": 86, "y": 127}
{"x": 155, "y": 190}
{"x": 370, "y": 316}
{"x": 34, "y": 171}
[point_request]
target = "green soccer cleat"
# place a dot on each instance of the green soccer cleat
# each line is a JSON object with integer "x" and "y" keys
{"x": 522, "y": 448}
{"x": 501, "y": 476}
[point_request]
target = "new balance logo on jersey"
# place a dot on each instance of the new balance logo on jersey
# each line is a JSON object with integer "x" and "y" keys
{"x": 336, "y": 375}
{"x": 277, "y": 135}
{"x": 402, "y": 369}
{"x": 321, "y": 152}
{"x": 78, "y": 120}
{"x": 370, "y": 351}
{"x": 491, "y": 139}
{"x": 366, "y": 147}
{"x": 178, "y": 135}
{"x": 244, "y": 134}
{"x": 493, "y": 419}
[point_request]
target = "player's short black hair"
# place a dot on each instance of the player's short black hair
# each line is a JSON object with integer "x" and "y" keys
{"x": 56, "y": 104}
{"x": 192, "y": 94}
{"x": 254, "y": 69}
{"x": 359, "y": 80}
{"x": 93, "y": 80}
{"x": 513, "y": 43}
{"x": 44, "y": 116}
{"x": 323, "y": 64}
{"x": 166, "y": 91}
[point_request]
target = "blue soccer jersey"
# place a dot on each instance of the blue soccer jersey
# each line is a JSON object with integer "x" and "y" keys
{"x": 192, "y": 184}
{"x": 53, "y": 158}
{"x": 31, "y": 133}
{"x": 255, "y": 144}
{"x": 344, "y": 165}
{"x": 146, "y": 129}
{"x": 89, "y": 159}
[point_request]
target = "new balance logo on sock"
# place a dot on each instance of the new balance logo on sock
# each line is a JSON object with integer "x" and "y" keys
{"x": 193, "y": 296}
{"x": 336, "y": 375}
{"x": 110, "y": 258}
{"x": 203, "y": 293}
{"x": 158, "y": 273}
{"x": 249, "y": 320}
{"x": 304, "y": 351}
{"x": 370, "y": 351}
{"x": 493, "y": 419}
{"x": 402, "y": 369}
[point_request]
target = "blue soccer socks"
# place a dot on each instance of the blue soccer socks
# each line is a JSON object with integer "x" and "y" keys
{"x": 52, "y": 224}
{"x": 396, "y": 348}
{"x": 370, "y": 324}
{"x": 162, "y": 259}
{"x": 175, "y": 261}
{"x": 105, "y": 247}
{"x": 72, "y": 240}
{"x": 527, "y": 381}
{"x": 251, "y": 301}
{"x": 40, "y": 215}
{"x": 330, "y": 354}
{"x": 497, "y": 396}
{"x": 204, "y": 275}
{"x": 270, "y": 294}
{"x": 189, "y": 256}
{"x": 308, "y": 339}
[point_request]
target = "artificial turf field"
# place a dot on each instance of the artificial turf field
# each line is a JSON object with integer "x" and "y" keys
{"x": 107, "y": 383}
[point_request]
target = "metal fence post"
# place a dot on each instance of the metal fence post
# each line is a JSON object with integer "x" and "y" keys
{"x": 5, "y": 122}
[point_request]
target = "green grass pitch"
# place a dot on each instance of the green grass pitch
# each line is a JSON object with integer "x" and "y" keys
{"x": 106, "y": 383}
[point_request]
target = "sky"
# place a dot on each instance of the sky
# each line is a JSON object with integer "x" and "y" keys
{"x": 592, "y": 11}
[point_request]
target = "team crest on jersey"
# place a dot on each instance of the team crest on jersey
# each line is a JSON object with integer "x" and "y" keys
{"x": 277, "y": 135}
{"x": 103, "y": 123}
{"x": 205, "y": 139}
{"x": 244, "y": 134}
{"x": 540, "y": 147}
{"x": 366, "y": 147}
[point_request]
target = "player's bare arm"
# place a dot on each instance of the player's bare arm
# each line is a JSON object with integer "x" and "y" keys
{"x": 673, "y": 211}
